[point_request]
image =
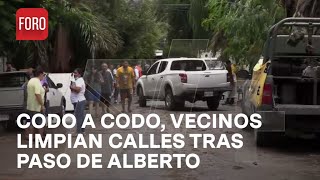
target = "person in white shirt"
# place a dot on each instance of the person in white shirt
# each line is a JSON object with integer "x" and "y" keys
{"x": 114, "y": 71}
{"x": 78, "y": 88}
{"x": 116, "y": 89}
{"x": 136, "y": 72}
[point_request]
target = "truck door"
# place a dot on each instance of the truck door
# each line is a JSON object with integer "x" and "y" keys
{"x": 159, "y": 79}
{"x": 150, "y": 84}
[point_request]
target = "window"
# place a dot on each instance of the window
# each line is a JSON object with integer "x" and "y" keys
{"x": 163, "y": 66}
{"x": 153, "y": 69}
{"x": 50, "y": 83}
{"x": 12, "y": 80}
{"x": 188, "y": 65}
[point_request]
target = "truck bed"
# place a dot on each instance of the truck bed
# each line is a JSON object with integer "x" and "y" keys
{"x": 11, "y": 99}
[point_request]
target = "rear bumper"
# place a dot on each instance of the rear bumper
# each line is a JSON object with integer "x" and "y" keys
{"x": 215, "y": 89}
{"x": 302, "y": 118}
{"x": 196, "y": 94}
{"x": 12, "y": 110}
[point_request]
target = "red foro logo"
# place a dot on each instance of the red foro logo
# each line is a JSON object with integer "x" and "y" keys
{"x": 32, "y": 24}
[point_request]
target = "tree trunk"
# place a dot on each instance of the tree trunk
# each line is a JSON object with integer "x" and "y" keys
{"x": 61, "y": 60}
{"x": 42, "y": 56}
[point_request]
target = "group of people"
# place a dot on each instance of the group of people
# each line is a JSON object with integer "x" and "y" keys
{"x": 108, "y": 83}
{"x": 97, "y": 86}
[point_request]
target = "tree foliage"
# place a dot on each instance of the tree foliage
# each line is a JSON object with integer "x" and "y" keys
{"x": 240, "y": 26}
{"x": 176, "y": 14}
{"x": 80, "y": 28}
{"x": 140, "y": 29}
{"x": 197, "y": 13}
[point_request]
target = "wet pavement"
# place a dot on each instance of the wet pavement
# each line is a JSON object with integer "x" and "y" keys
{"x": 292, "y": 160}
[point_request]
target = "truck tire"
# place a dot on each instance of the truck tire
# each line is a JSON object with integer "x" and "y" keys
{"x": 63, "y": 109}
{"x": 169, "y": 100}
{"x": 213, "y": 103}
{"x": 142, "y": 100}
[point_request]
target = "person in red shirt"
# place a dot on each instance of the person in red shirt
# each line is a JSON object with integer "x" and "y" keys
{"x": 138, "y": 71}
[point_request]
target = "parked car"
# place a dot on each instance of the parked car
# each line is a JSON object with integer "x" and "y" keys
{"x": 13, "y": 97}
{"x": 177, "y": 80}
{"x": 280, "y": 90}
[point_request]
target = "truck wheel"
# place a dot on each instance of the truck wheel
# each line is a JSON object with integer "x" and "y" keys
{"x": 63, "y": 109}
{"x": 169, "y": 100}
{"x": 142, "y": 100}
{"x": 213, "y": 103}
{"x": 264, "y": 139}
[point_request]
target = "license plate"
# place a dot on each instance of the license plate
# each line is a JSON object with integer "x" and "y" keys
{"x": 4, "y": 117}
{"x": 208, "y": 94}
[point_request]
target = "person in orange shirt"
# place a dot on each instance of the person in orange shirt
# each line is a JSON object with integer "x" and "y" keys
{"x": 126, "y": 83}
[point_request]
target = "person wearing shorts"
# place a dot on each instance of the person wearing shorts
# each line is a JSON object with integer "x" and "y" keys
{"x": 106, "y": 88}
{"x": 116, "y": 89}
{"x": 126, "y": 84}
{"x": 93, "y": 90}
{"x": 35, "y": 100}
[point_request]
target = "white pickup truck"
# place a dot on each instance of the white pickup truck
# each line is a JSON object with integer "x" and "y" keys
{"x": 184, "y": 79}
{"x": 14, "y": 96}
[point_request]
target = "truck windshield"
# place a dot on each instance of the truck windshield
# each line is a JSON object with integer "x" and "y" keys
{"x": 12, "y": 80}
{"x": 215, "y": 65}
{"x": 188, "y": 65}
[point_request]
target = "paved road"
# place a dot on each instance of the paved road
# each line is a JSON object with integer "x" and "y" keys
{"x": 295, "y": 159}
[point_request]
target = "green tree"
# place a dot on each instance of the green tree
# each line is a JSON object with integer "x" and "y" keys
{"x": 140, "y": 29}
{"x": 176, "y": 13}
{"x": 74, "y": 33}
{"x": 197, "y": 14}
{"x": 240, "y": 26}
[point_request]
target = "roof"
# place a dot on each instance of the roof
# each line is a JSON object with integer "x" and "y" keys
{"x": 182, "y": 58}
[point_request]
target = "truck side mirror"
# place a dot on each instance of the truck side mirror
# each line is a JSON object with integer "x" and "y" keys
{"x": 59, "y": 85}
